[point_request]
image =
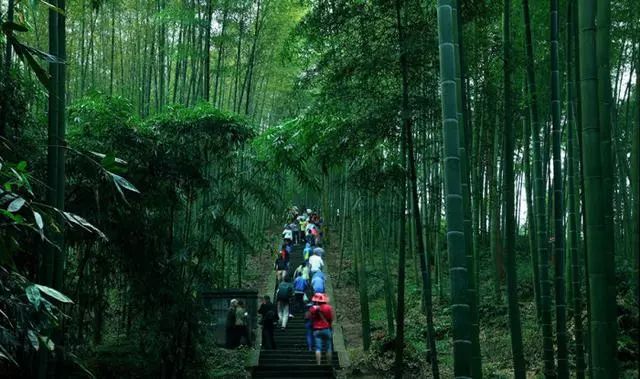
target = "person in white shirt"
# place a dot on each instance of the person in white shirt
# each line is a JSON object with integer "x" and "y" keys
{"x": 310, "y": 226}
{"x": 315, "y": 263}
{"x": 287, "y": 233}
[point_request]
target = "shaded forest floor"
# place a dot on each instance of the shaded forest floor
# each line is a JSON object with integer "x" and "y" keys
{"x": 495, "y": 339}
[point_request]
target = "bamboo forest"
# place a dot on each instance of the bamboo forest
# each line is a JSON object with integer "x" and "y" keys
{"x": 320, "y": 189}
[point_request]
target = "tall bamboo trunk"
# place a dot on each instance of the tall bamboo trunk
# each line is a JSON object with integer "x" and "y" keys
{"x": 459, "y": 275}
{"x": 603, "y": 56}
{"x": 558, "y": 207}
{"x": 402, "y": 250}
{"x": 602, "y": 343}
{"x": 463, "y": 135}
{"x": 510, "y": 227}
{"x": 362, "y": 284}
{"x": 495, "y": 244}
{"x": 572, "y": 202}
{"x": 206, "y": 72}
{"x": 539, "y": 207}
{"x": 635, "y": 169}
{"x": 532, "y": 237}
{"x": 218, "y": 82}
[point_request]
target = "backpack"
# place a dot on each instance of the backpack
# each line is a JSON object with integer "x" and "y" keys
{"x": 285, "y": 291}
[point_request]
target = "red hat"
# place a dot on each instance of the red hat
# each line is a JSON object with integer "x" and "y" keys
{"x": 320, "y": 298}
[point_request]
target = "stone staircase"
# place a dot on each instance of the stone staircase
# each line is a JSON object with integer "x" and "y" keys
{"x": 291, "y": 359}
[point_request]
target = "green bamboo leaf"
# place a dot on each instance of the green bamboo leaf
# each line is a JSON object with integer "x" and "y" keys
{"x": 6, "y": 317}
{"x": 38, "y": 219}
{"x": 104, "y": 156}
{"x": 123, "y": 183}
{"x": 82, "y": 367}
{"x": 43, "y": 55}
{"x": 33, "y": 295}
{"x": 28, "y": 59}
{"x": 33, "y": 339}
{"x": 13, "y": 217}
{"x": 47, "y": 342}
{"x": 4, "y": 354}
{"x": 54, "y": 294}
{"x": 16, "y": 204}
{"x": 84, "y": 224}
{"x": 52, "y": 7}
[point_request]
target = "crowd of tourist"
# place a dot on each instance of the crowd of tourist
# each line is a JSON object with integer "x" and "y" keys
{"x": 300, "y": 289}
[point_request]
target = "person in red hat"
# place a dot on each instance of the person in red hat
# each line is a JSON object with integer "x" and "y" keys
{"x": 322, "y": 316}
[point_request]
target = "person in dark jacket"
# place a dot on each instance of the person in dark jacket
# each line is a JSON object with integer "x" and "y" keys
{"x": 230, "y": 336}
{"x": 284, "y": 295}
{"x": 269, "y": 314}
{"x": 280, "y": 266}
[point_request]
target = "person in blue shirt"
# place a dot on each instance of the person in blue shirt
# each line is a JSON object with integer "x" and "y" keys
{"x": 317, "y": 282}
{"x": 319, "y": 274}
{"x": 300, "y": 286}
{"x": 306, "y": 252}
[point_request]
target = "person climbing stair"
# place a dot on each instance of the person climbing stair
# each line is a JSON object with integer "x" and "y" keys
{"x": 295, "y": 356}
{"x": 284, "y": 295}
{"x": 269, "y": 314}
{"x": 300, "y": 286}
{"x": 322, "y": 316}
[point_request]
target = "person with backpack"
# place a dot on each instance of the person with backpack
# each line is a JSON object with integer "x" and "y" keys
{"x": 284, "y": 295}
{"x": 322, "y": 316}
{"x": 309, "y": 237}
{"x": 242, "y": 325}
{"x": 269, "y": 318}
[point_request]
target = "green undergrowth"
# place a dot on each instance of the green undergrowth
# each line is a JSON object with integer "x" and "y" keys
{"x": 215, "y": 362}
{"x": 123, "y": 359}
{"x": 495, "y": 340}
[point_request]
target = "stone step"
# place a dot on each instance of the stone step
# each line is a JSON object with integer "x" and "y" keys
{"x": 294, "y": 371}
{"x": 292, "y": 358}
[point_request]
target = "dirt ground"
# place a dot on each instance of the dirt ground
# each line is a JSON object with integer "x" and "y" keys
{"x": 345, "y": 299}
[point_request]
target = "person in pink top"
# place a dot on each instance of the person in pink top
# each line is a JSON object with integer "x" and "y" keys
{"x": 322, "y": 316}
